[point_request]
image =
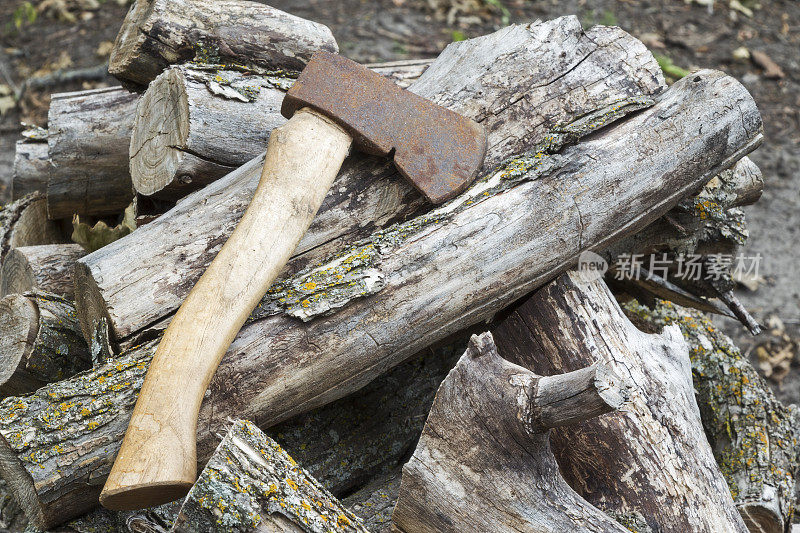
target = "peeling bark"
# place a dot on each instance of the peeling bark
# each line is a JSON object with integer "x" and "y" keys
{"x": 46, "y": 268}
{"x": 753, "y": 435}
{"x": 520, "y": 83}
{"x": 157, "y": 33}
{"x": 649, "y": 466}
{"x": 483, "y": 463}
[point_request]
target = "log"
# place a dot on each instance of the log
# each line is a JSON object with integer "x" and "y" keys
{"x": 12, "y": 518}
{"x": 24, "y": 223}
{"x": 483, "y": 463}
{"x": 46, "y": 268}
{"x": 40, "y": 340}
{"x": 31, "y": 169}
{"x": 88, "y": 138}
{"x": 251, "y": 484}
{"x": 374, "y": 503}
{"x": 101, "y": 520}
{"x": 650, "y": 465}
{"x": 753, "y": 435}
{"x": 194, "y": 125}
{"x": 157, "y": 33}
{"x": 408, "y": 286}
{"x": 520, "y": 64}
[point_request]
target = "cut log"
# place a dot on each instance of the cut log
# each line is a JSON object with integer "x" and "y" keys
{"x": 157, "y": 33}
{"x": 31, "y": 169}
{"x": 12, "y": 518}
{"x": 252, "y": 485}
{"x": 374, "y": 503}
{"x": 651, "y": 463}
{"x": 753, "y": 435}
{"x": 345, "y": 443}
{"x": 24, "y": 223}
{"x": 46, "y": 268}
{"x": 520, "y": 82}
{"x": 88, "y": 138}
{"x": 483, "y": 463}
{"x": 375, "y": 303}
{"x": 101, "y": 520}
{"x": 40, "y": 341}
{"x": 194, "y": 125}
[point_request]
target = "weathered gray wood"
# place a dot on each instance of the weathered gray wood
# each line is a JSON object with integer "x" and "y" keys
{"x": 12, "y": 518}
{"x": 251, "y": 484}
{"x": 650, "y": 465}
{"x": 407, "y": 286}
{"x": 375, "y": 502}
{"x": 483, "y": 463}
{"x": 195, "y": 124}
{"x": 753, "y": 435}
{"x": 40, "y": 342}
{"x": 88, "y": 137}
{"x": 47, "y": 267}
{"x": 520, "y": 82}
{"x": 157, "y": 33}
{"x": 24, "y": 223}
{"x": 31, "y": 169}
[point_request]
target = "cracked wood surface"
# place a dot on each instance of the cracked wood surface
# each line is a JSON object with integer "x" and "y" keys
{"x": 88, "y": 137}
{"x": 650, "y": 465}
{"x": 520, "y": 82}
{"x": 196, "y": 123}
{"x": 47, "y": 267}
{"x": 483, "y": 463}
{"x": 452, "y": 267}
{"x": 157, "y": 33}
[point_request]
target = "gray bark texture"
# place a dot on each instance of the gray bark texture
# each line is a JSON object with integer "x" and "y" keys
{"x": 251, "y": 484}
{"x": 40, "y": 342}
{"x": 24, "y": 223}
{"x": 753, "y": 435}
{"x": 483, "y": 463}
{"x": 89, "y": 133}
{"x": 157, "y": 33}
{"x": 31, "y": 169}
{"x": 197, "y": 123}
{"x": 519, "y": 83}
{"x": 650, "y": 465}
{"x": 47, "y": 268}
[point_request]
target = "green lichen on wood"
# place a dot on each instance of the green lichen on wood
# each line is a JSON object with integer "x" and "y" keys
{"x": 249, "y": 479}
{"x": 354, "y": 273}
{"x": 753, "y": 435}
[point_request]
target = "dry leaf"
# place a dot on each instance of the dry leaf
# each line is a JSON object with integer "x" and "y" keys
{"x": 771, "y": 69}
{"x": 93, "y": 238}
{"x": 104, "y": 48}
{"x": 774, "y": 363}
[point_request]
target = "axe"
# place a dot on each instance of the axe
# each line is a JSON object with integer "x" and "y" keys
{"x": 334, "y": 104}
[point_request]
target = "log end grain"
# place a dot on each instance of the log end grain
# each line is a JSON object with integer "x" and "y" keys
{"x": 19, "y": 325}
{"x": 31, "y": 169}
{"x": 45, "y": 267}
{"x": 125, "y": 62}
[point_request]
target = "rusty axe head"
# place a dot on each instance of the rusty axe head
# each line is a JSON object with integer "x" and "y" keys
{"x": 438, "y": 150}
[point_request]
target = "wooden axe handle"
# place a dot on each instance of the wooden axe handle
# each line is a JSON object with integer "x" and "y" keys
{"x": 157, "y": 462}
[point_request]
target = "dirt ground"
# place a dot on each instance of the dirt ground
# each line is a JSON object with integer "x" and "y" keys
{"x": 73, "y": 34}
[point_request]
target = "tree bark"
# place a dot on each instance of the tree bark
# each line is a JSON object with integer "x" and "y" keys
{"x": 40, "y": 342}
{"x": 483, "y": 463}
{"x": 46, "y": 268}
{"x": 157, "y": 33}
{"x": 89, "y": 134}
{"x": 753, "y": 435}
{"x": 650, "y": 465}
{"x": 31, "y": 169}
{"x": 404, "y": 288}
{"x": 24, "y": 223}
{"x": 216, "y": 120}
{"x": 518, "y": 84}
{"x": 251, "y": 484}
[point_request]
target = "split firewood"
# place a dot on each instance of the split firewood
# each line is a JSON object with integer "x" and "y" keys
{"x": 374, "y": 503}
{"x": 344, "y": 444}
{"x": 12, "y": 517}
{"x": 157, "y": 33}
{"x": 251, "y": 484}
{"x": 483, "y": 463}
{"x": 88, "y": 138}
{"x": 375, "y": 303}
{"x": 650, "y": 465}
{"x": 31, "y": 169}
{"x": 753, "y": 435}
{"x": 40, "y": 342}
{"x": 561, "y": 72}
{"x": 196, "y": 123}
{"x": 24, "y": 223}
{"x": 47, "y": 268}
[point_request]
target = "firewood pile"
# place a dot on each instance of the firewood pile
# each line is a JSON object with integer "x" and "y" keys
{"x": 530, "y": 356}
